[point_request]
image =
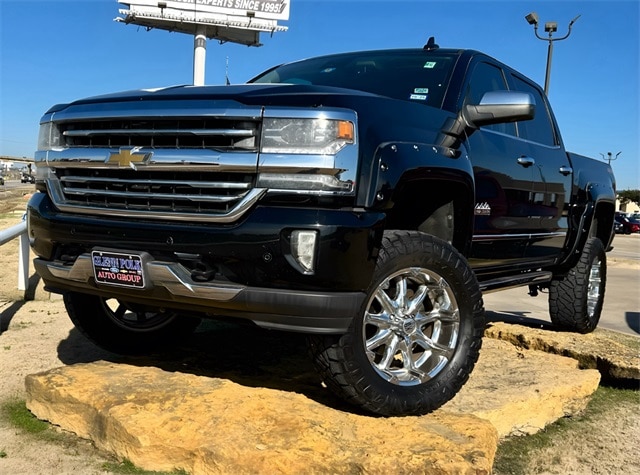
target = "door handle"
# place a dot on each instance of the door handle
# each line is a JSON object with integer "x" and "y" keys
{"x": 565, "y": 170}
{"x": 526, "y": 161}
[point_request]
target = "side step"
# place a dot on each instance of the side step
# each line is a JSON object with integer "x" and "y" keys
{"x": 508, "y": 282}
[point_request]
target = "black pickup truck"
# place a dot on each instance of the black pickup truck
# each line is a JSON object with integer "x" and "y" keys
{"x": 367, "y": 199}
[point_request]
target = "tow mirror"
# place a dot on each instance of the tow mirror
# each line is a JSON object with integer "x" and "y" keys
{"x": 497, "y": 107}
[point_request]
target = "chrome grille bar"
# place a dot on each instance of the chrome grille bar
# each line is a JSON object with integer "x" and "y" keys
{"x": 199, "y": 132}
{"x": 178, "y": 193}
{"x": 209, "y": 132}
{"x": 155, "y": 213}
{"x": 149, "y": 182}
{"x": 130, "y": 194}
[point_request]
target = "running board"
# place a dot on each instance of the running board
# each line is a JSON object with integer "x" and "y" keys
{"x": 508, "y": 282}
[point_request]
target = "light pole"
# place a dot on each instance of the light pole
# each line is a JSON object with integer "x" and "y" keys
{"x": 610, "y": 157}
{"x": 550, "y": 27}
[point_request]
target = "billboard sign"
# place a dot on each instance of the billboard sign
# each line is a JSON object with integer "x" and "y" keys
{"x": 235, "y": 21}
{"x": 267, "y": 9}
{"x": 239, "y": 21}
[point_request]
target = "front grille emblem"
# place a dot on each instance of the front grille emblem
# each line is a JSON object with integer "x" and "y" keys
{"x": 129, "y": 157}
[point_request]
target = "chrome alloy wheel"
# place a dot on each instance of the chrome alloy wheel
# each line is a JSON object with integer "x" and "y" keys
{"x": 411, "y": 326}
{"x": 594, "y": 286}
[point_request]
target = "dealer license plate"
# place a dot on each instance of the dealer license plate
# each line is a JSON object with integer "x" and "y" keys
{"x": 113, "y": 268}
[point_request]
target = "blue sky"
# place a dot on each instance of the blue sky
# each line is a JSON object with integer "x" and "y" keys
{"x": 57, "y": 51}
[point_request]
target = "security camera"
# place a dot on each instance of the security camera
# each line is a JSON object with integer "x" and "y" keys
{"x": 532, "y": 18}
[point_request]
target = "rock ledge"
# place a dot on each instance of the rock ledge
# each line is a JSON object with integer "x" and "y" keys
{"x": 601, "y": 350}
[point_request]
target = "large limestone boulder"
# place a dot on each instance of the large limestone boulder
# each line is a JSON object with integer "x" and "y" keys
{"x": 603, "y": 350}
{"x": 167, "y": 420}
{"x": 163, "y": 420}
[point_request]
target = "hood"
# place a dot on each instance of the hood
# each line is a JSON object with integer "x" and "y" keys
{"x": 412, "y": 122}
{"x": 248, "y": 94}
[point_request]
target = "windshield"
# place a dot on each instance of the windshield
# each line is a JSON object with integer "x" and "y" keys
{"x": 416, "y": 76}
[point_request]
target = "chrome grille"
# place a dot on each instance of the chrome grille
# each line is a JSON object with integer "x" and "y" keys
{"x": 189, "y": 195}
{"x": 158, "y": 133}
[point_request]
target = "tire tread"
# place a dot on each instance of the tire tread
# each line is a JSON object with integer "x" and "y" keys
{"x": 568, "y": 295}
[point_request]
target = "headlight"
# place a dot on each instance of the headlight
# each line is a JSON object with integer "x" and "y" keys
{"x": 306, "y": 136}
{"x": 49, "y": 136}
{"x": 306, "y": 182}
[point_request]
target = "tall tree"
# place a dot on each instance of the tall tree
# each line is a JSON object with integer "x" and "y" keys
{"x": 626, "y": 196}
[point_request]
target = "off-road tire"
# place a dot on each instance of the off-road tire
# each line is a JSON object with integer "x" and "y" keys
{"x": 124, "y": 329}
{"x": 383, "y": 385}
{"x": 576, "y": 299}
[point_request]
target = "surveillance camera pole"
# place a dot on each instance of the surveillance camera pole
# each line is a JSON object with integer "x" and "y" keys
{"x": 550, "y": 27}
{"x": 610, "y": 157}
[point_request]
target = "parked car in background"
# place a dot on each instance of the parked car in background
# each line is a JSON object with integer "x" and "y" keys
{"x": 618, "y": 228}
{"x": 624, "y": 225}
{"x": 27, "y": 178}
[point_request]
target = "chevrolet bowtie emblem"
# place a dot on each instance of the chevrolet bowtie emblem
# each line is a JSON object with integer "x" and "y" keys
{"x": 129, "y": 157}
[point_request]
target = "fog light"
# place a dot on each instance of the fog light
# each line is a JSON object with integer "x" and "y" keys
{"x": 303, "y": 249}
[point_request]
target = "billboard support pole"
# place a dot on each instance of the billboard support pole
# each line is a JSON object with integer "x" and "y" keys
{"x": 199, "y": 55}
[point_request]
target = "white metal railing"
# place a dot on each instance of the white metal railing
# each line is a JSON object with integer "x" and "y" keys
{"x": 19, "y": 231}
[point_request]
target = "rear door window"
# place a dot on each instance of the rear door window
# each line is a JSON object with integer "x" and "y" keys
{"x": 540, "y": 129}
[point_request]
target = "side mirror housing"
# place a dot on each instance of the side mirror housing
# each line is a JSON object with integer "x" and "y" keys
{"x": 498, "y": 107}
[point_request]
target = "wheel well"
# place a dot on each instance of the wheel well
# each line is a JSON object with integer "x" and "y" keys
{"x": 439, "y": 208}
{"x": 602, "y": 222}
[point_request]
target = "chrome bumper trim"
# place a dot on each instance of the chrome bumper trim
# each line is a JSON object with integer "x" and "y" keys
{"x": 171, "y": 276}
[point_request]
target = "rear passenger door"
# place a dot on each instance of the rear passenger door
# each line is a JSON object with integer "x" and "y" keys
{"x": 552, "y": 176}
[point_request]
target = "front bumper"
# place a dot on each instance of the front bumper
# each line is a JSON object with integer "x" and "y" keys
{"x": 251, "y": 272}
{"x": 171, "y": 286}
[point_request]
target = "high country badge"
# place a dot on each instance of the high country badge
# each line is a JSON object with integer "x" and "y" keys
{"x": 482, "y": 209}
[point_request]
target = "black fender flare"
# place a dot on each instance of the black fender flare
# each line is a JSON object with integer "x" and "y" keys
{"x": 397, "y": 164}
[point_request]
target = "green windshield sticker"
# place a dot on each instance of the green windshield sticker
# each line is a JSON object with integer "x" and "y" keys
{"x": 421, "y": 90}
{"x": 430, "y": 64}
